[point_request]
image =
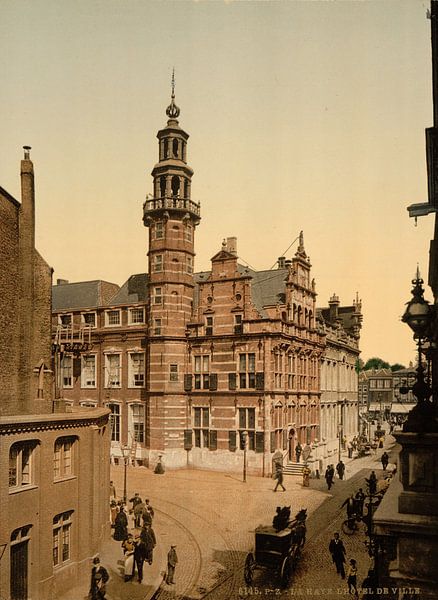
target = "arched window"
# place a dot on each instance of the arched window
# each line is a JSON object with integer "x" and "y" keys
{"x": 175, "y": 185}
{"x": 162, "y": 187}
{"x": 175, "y": 147}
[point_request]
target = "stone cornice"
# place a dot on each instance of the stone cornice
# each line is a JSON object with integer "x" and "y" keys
{"x": 97, "y": 417}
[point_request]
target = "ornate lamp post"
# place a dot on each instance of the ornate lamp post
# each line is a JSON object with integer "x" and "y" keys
{"x": 419, "y": 315}
{"x": 125, "y": 452}
{"x": 244, "y": 442}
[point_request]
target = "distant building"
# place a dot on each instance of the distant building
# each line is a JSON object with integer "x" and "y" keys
{"x": 194, "y": 365}
{"x": 54, "y": 473}
{"x": 339, "y": 381}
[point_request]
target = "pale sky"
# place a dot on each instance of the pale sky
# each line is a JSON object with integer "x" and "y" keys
{"x": 302, "y": 116}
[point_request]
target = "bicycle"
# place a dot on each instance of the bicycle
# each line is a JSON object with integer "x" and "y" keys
{"x": 350, "y": 525}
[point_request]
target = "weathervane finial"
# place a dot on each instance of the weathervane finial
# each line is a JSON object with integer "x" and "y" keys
{"x": 172, "y": 110}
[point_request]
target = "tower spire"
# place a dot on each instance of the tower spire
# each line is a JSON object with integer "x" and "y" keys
{"x": 172, "y": 111}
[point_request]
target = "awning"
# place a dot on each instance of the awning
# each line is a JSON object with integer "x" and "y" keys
{"x": 401, "y": 409}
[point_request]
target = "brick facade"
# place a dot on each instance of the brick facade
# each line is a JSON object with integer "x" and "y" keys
{"x": 54, "y": 468}
{"x": 226, "y": 351}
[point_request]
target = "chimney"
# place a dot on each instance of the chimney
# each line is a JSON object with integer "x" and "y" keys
{"x": 287, "y": 263}
{"x": 61, "y": 281}
{"x": 281, "y": 262}
{"x": 334, "y": 304}
{"x": 232, "y": 245}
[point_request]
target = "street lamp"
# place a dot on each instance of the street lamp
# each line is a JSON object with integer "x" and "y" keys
{"x": 244, "y": 442}
{"x": 419, "y": 315}
{"x": 125, "y": 453}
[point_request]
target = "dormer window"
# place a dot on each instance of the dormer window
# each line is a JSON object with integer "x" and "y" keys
{"x": 112, "y": 318}
{"x": 66, "y": 320}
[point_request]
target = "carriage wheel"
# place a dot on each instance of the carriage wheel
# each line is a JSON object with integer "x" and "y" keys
{"x": 349, "y": 526}
{"x": 286, "y": 570}
{"x": 250, "y": 565}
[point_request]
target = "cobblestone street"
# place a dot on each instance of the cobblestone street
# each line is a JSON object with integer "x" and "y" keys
{"x": 211, "y": 518}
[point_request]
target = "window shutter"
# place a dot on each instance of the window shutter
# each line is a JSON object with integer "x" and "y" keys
{"x": 213, "y": 382}
{"x": 213, "y": 440}
{"x": 188, "y": 382}
{"x": 259, "y": 441}
{"x": 260, "y": 381}
{"x": 272, "y": 441}
{"x": 76, "y": 367}
{"x": 232, "y": 446}
{"x": 188, "y": 439}
{"x": 232, "y": 385}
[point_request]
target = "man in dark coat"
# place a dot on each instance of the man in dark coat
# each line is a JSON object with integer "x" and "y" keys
{"x": 337, "y": 550}
{"x": 172, "y": 559}
{"x": 372, "y": 483}
{"x": 99, "y": 578}
{"x": 135, "y": 500}
{"x": 298, "y": 451}
{"x": 340, "y": 468}
{"x": 360, "y": 499}
{"x": 147, "y": 536}
{"x": 139, "y": 558}
{"x": 385, "y": 460}
{"x": 279, "y": 477}
{"x": 121, "y": 526}
{"x": 138, "y": 511}
{"x": 329, "y": 474}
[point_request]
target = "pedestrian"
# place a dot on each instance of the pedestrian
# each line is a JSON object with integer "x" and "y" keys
{"x": 350, "y": 450}
{"x": 370, "y": 585}
{"x": 337, "y": 550}
{"x": 381, "y": 442}
{"x": 146, "y": 516}
{"x": 128, "y": 544}
{"x": 340, "y": 468}
{"x": 279, "y": 477}
{"x": 329, "y": 474}
{"x": 139, "y": 558}
{"x": 147, "y": 536}
{"x": 306, "y": 476}
{"x": 360, "y": 499}
{"x": 298, "y": 451}
{"x": 385, "y": 460}
{"x": 113, "y": 512}
{"x": 372, "y": 483}
{"x": 121, "y": 526}
{"x": 99, "y": 578}
{"x": 172, "y": 559}
{"x": 135, "y": 500}
{"x": 149, "y": 508}
{"x": 352, "y": 578}
{"x": 350, "y": 505}
{"x": 138, "y": 511}
{"x": 112, "y": 491}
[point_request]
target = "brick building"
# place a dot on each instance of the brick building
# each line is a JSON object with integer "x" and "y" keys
{"x": 192, "y": 363}
{"x": 53, "y": 514}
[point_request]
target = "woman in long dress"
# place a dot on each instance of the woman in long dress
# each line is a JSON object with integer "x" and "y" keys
{"x": 121, "y": 526}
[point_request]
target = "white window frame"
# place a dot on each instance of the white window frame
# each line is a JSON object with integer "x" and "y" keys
{"x": 158, "y": 324}
{"x": 84, "y": 378}
{"x": 158, "y": 263}
{"x": 201, "y": 429}
{"x": 135, "y": 369}
{"x": 60, "y": 317}
{"x": 83, "y": 321}
{"x": 188, "y": 232}
{"x": 159, "y": 229}
{"x": 201, "y": 371}
{"x": 158, "y": 295}
{"x": 173, "y": 372}
{"x": 63, "y": 458}
{"x": 65, "y": 369}
{"x": 62, "y": 538}
{"x": 137, "y": 435}
{"x": 132, "y": 311}
{"x": 113, "y": 372}
{"x": 189, "y": 264}
{"x": 22, "y": 455}
{"x": 113, "y": 311}
{"x": 115, "y": 421}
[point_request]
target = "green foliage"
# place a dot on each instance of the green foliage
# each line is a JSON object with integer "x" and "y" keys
{"x": 397, "y": 367}
{"x": 376, "y": 363}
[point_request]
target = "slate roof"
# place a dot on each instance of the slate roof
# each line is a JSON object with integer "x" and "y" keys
{"x": 345, "y": 313}
{"x": 82, "y": 294}
{"x": 132, "y": 291}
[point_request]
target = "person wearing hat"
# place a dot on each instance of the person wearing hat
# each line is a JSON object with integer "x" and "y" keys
{"x": 99, "y": 578}
{"x": 172, "y": 559}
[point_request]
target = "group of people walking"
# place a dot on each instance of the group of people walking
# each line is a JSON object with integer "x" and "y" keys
{"x": 330, "y": 473}
{"x": 338, "y": 552}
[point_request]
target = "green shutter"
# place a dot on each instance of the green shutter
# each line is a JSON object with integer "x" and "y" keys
{"x": 232, "y": 384}
{"x": 213, "y": 440}
{"x": 232, "y": 445}
{"x": 188, "y": 439}
{"x": 260, "y": 381}
{"x": 272, "y": 441}
{"x": 213, "y": 382}
{"x": 188, "y": 383}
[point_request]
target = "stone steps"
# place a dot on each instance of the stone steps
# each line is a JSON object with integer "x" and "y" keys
{"x": 293, "y": 468}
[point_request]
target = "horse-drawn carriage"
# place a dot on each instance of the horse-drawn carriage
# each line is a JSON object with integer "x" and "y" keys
{"x": 277, "y": 549}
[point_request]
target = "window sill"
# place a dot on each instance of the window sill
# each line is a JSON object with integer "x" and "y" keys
{"x": 66, "y": 478}
{"x": 22, "y": 488}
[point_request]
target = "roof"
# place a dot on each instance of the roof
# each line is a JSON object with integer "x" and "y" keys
{"x": 347, "y": 315}
{"x": 82, "y": 294}
{"x": 8, "y": 196}
{"x": 268, "y": 288}
{"x": 132, "y": 291}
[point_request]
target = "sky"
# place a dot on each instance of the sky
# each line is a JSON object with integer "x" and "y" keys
{"x": 302, "y": 115}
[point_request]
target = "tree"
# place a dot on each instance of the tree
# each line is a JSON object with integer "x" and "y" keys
{"x": 397, "y": 367}
{"x": 376, "y": 363}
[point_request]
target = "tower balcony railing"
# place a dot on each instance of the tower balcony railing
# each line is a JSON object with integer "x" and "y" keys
{"x": 171, "y": 203}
